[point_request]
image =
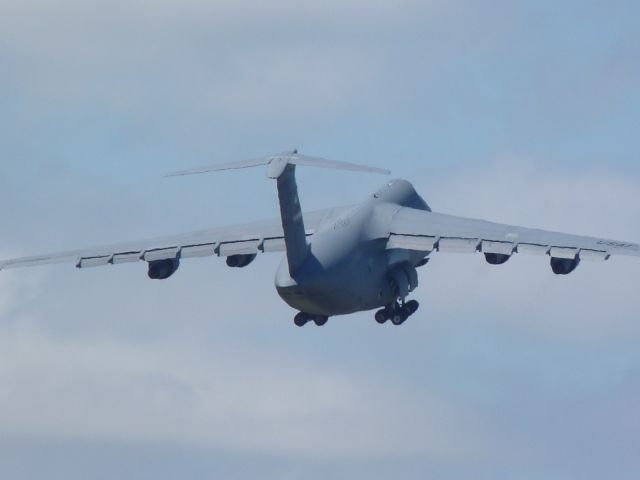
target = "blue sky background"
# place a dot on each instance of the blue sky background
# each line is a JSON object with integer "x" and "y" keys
{"x": 522, "y": 112}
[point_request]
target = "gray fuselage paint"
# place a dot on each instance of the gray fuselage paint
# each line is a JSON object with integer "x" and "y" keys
{"x": 346, "y": 267}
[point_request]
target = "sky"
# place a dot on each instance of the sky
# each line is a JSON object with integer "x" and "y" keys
{"x": 524, "y": 112}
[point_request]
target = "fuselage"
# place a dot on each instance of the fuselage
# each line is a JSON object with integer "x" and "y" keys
{"x": 347, "y": 266}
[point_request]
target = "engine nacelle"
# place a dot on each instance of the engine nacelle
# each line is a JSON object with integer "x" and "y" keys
{"x": 496, "y": 258}
{"x": 240, "y": 261}
{"x": 564, "y": 266}
{"x": 403, "y": 279}
{"x": 163, "y": 269}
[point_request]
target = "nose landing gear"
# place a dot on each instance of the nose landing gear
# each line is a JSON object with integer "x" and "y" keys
{"x": 397, "y": 313}
{"x": 301, "y": 319}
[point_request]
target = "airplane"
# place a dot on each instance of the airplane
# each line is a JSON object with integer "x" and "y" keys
{"x": 346, "y": 259}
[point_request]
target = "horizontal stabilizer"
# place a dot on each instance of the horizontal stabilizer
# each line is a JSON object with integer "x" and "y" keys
{"x": 277, "y": 164}
{"x": 256, "y": 162}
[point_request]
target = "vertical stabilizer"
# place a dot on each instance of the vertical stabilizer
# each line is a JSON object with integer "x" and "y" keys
{"x": 292, "y": 221}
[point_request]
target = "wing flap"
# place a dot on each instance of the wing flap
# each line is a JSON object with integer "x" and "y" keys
{"x": 532, "y": 249}
{"x": 501, "y": 248}
{"x": 94, "y": 261}
{"x": 273, "y": 245}
{"x": 195, "y": 251}
{"x": 161, "y": 254}
{"x": 127, "y": 257}
{"x": 593, "y": 255}
{"x": 563, "y": 252}
{"x": 239, "y": 248}
{"x": 458, "y": 245}
{"x": 412, "y": 242}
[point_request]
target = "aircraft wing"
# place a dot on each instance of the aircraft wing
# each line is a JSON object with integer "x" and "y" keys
{"x": 250, "y": 238}
{"x": 418, "y": 230}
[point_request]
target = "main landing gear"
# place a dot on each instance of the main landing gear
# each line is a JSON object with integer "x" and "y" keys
{"x": 397, "y": 313}
{"x": 301, "y": 319}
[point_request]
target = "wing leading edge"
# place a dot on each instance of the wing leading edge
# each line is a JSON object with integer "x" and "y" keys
{"x": 246, "y": 239}
{"x": 427, "y": 231}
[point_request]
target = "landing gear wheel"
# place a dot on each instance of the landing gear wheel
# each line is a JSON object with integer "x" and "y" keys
{"x": 381, "y": 316}
{"x": 301, "y": 319}
{"x": 399, "y": 316}
{"x": 320, "y": 320}
{"x": 412, "y": 307}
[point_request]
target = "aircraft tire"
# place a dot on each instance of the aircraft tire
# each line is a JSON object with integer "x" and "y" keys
{"x": 381, "y": 316}
{"x": 320, "y": 320}
{"x": 398, "y": 317}
{"x": 412, "y": 306}
{"x": 301, "y": 319}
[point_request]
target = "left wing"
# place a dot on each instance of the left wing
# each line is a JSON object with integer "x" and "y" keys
{"x": 246, "y": 239}
{"x": 418, "y": 230}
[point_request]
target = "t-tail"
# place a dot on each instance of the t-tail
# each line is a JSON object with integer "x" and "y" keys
{"x": 282, "y": 168}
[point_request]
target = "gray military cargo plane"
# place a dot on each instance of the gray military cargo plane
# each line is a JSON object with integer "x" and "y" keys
{"x": 345, "y": 259}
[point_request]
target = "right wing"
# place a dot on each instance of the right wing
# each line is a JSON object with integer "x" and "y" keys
{"x": 418, "y": 230}
{"x": 245, "y": 239}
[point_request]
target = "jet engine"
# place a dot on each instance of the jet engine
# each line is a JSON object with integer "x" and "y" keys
{"x": 403, "y": 279}
{"x": 564, "y": 266}
{"x": 163, "y": 269}
{"x": 496, "y": 258}
{"x": 240, "y": 261}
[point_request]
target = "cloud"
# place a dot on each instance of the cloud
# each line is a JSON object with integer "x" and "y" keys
{"x": 15, "y": 293}
{"x": 278, "y": 58}
{"x": 165, "y": 394}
